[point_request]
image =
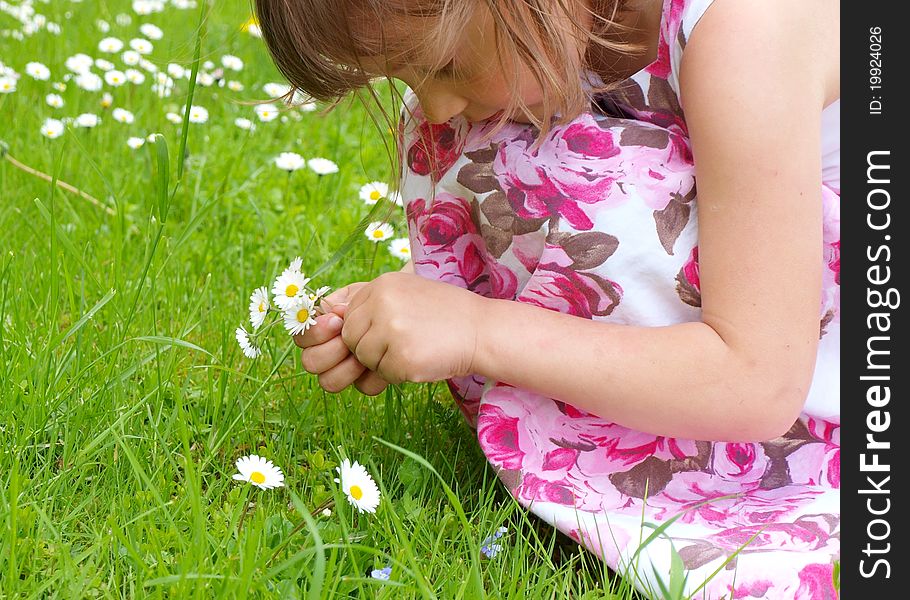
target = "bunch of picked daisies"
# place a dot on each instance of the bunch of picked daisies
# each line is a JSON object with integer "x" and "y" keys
{"x": 294, "y": 303}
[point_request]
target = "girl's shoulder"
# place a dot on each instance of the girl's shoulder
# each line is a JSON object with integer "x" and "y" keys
{"x": 809, "y": 32}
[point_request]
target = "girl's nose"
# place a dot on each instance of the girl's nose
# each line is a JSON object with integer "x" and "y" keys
{"x": 441, "y": 105}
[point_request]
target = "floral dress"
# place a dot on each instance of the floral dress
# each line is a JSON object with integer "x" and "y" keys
{"x": 600, "y": 222}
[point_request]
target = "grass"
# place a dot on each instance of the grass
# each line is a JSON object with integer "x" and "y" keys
{"x": 126, "y": 400}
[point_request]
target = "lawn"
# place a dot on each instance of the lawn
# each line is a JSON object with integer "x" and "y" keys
{"x": 126, "y": 399}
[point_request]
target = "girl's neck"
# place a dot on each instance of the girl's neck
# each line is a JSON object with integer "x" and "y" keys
{"x": 645, "y": 17}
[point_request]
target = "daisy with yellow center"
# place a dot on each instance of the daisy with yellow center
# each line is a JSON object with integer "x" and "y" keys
{"x": 378, "y": 231}
{"x": 359, "y": 487}
{"x": 300, "y": 316}
{"x": 372, "y": 192}
{"x": 259, "y": 472}
{"x": 290, "y": 286}
{"x": 250, "y": 350}
{"x": 259, "y": 306}
{"x": 400, "y": 248}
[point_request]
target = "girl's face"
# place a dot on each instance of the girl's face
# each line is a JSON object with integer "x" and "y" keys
{"x": 474, "y": 84}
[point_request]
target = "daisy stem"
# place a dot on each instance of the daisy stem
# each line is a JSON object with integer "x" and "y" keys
{"x": 246, "y": 496}
{"x": 373, "y": 260}
{"x": 326, "y": 504}
{"x": 287, "y": 188}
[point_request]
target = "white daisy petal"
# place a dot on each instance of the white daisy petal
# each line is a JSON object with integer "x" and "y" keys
{"x": 377, "y": 231}
{"x": 259, "y": 472}
{"x": 299, "y": 316}
{"x": 359, "y": 486}
{"x": 259, "y": 306}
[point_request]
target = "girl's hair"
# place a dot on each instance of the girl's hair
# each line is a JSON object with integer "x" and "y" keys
{"x": 316, "y": 43}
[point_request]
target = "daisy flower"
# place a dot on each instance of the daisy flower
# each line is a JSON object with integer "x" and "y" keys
{"x": 54, "y": 100}
{"x": 205, "y": 79}
{"x": 102, "y": 25}
{"x": 400, "y": 248}
{"x": 396, "y": 197}
{"x": 322, "y": 166}
{"x": 260, "y": 472}
{"x": 59, "y": 86}
{"x": 378, "y": 231}
{"x": 276, "y": 90}
{"x": 266, "y": 112}
{"x": 124, "y": 19}
{"x": 37, "y": 71}
{"x": 245, "y": 124}
{"x": 382, "y": 574}
{"x": 106, "y": 100}
{"x": 148, "y": 65}
{"x": 198, "y": 114}
{"x": 52, "y": 128}
{"x": 79, "y": 63}
{"x": 89, "y": 82}
{"x": 7, "y": 85}
{"x": 135, "y": 142}
{"x": 131, "y": 58}
{"x": 115, "y": 78}
{"x": 174, "y": 118}
{"x": 110, "y": 45}
{"x": 175, "y": 70}
{"x": 259, "y": 306}
{"x": 123, "y": 116}
{"x": 298, "y": 317}
{"x": 326, "y": 512}
{"x": 87, "y": 120}
{"x": 316, "y": 296}
{"x": 235, "y": 86}
{"x": 135, "y": 77}
{"x": 289, "y": 161}
{"x": 243, "y": 338}
{"x": 208, "y": 65}
{"x": 232, "y": 62}
{"x": 359, "y": 487}
{"x": 152, "y": 32}
{"x": 104, "y": 65}
{"x": 141, "y": 45}
{"x": 373, "y": 191}
{"x": 289, "y": 287}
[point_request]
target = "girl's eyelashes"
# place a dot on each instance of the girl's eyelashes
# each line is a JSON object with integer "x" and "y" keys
{"x": 446, "y": 71}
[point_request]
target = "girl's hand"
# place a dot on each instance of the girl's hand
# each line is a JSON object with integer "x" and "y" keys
{"x": 324, "y": 353}
{"x": 408, "y": 328}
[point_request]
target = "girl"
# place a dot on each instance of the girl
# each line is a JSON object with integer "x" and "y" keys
{"x": 624, "y": 352}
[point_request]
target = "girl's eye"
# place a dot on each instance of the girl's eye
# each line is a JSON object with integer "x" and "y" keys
{"x": 447, "y": 71}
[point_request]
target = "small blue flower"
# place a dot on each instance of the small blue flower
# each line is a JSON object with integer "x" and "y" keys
{"x": 382, "y": 574}
{"x": 490, "y": 549}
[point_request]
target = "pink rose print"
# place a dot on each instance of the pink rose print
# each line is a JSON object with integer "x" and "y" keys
{"x": 670, "y": 22}
{"x": 557, "y": 286}
{"x": 834, "y": 261}
{"x": 436, "y": 148}
{"x": 745, "y": 463}
{"x": 443, "y": 222}
{"x": 498, "y": 436}
{"x": 816, "y": 582}
{"x": 575, "y": 165}
{"x": 535, "y": 489}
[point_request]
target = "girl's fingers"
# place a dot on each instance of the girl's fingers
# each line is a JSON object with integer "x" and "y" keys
{"x": 370, "y": 383}
{"x": 327, "y": 326}
{"x": 322, "y": 357}
{"x": 341, "y": 375}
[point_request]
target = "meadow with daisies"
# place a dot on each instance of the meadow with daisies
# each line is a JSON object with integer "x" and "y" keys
{"x": 171, "y": 216}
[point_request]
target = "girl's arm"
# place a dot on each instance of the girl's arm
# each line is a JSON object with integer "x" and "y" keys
{"x": 753, "y": 87}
